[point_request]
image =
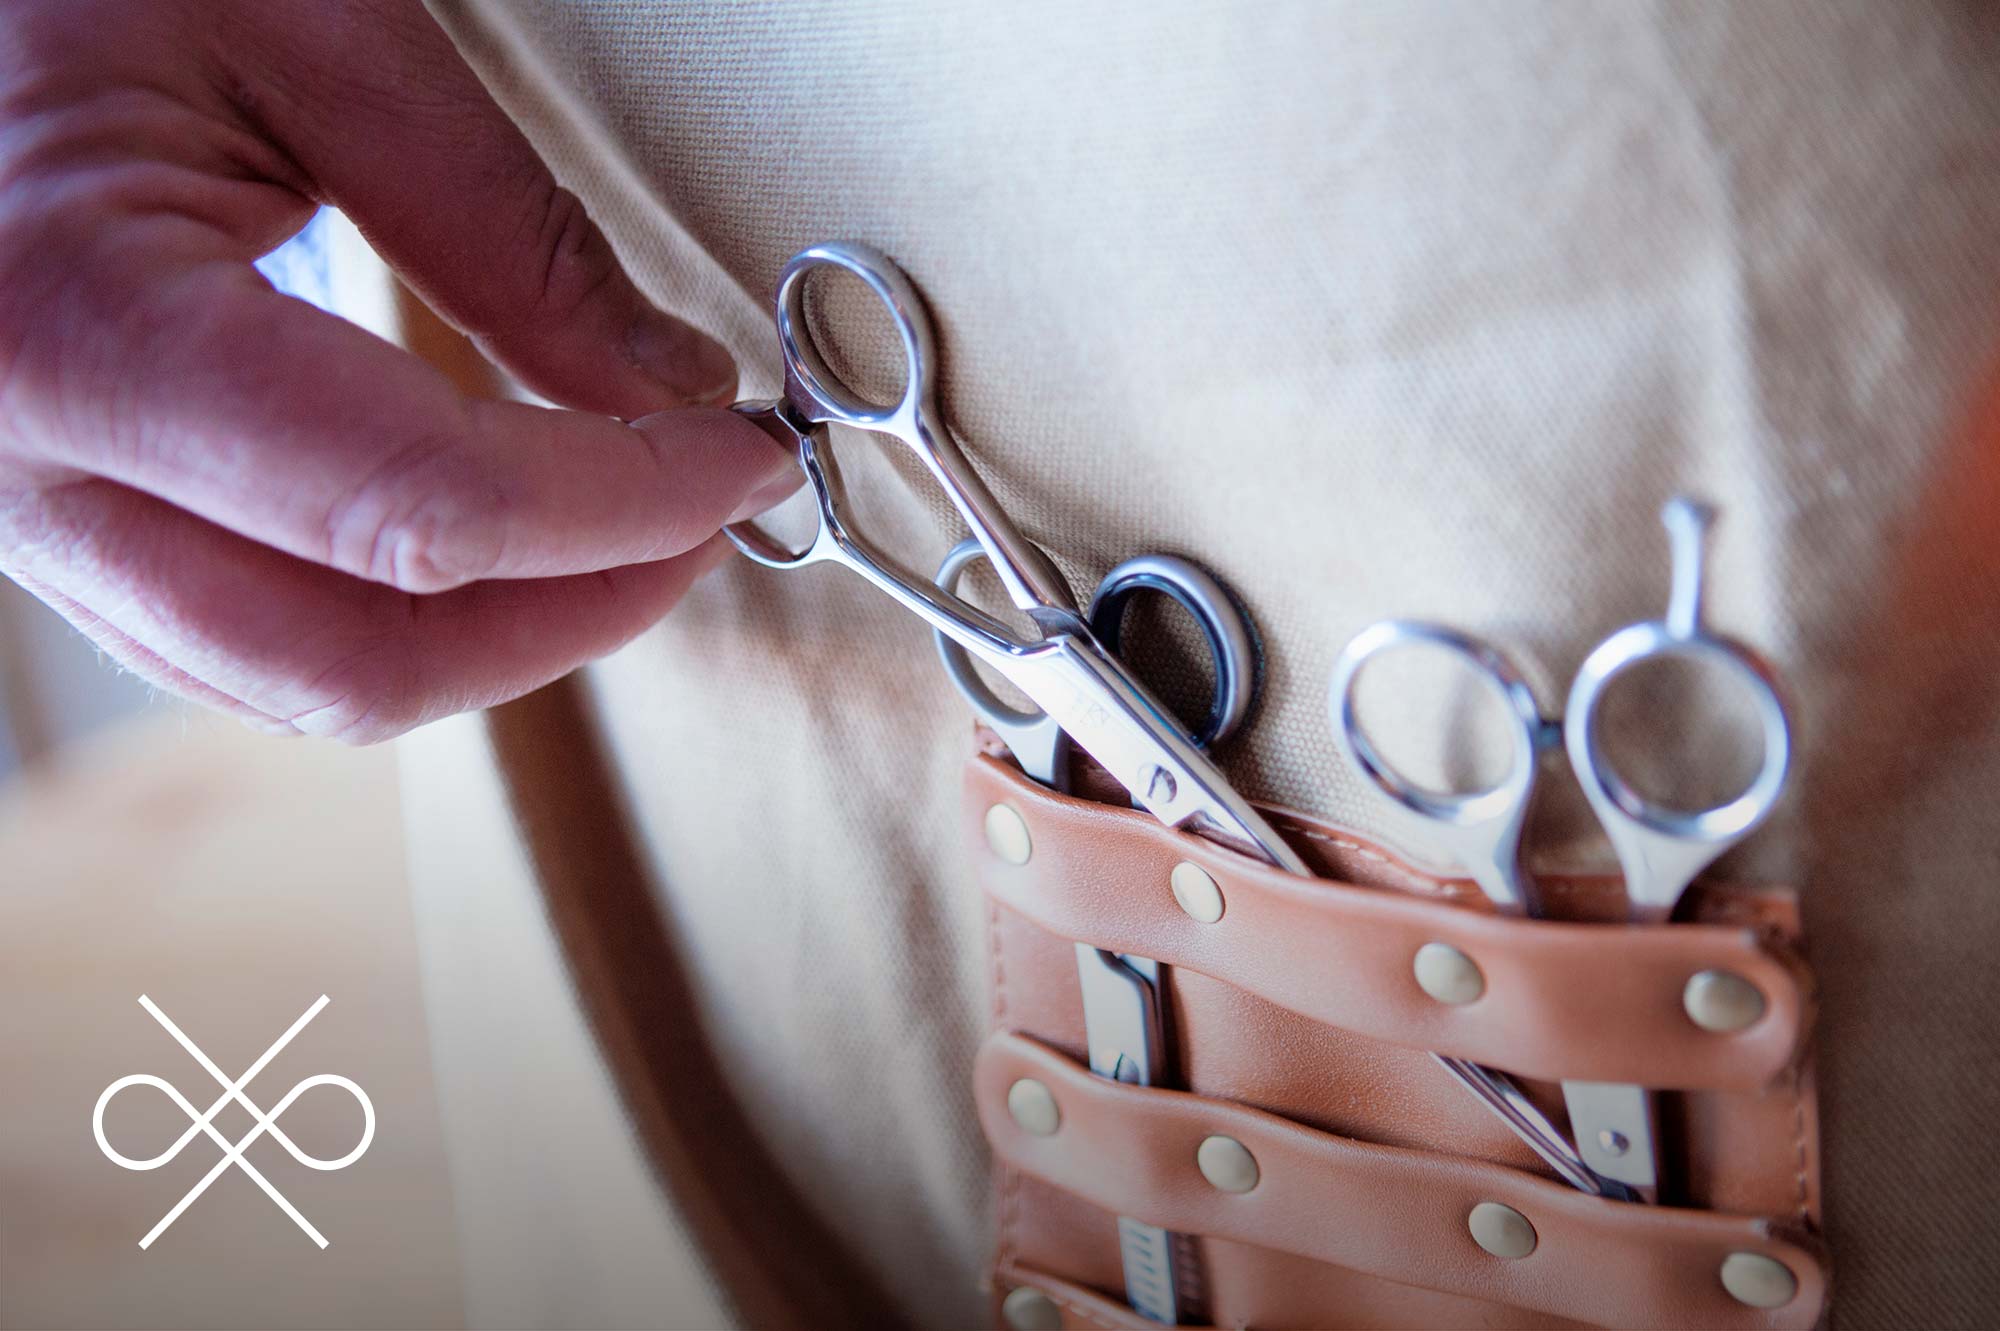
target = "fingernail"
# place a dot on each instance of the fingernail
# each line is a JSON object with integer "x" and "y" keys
{"x": 768, "y": 495}
{"x": 710, "y": 554}
{"x": 693, "y": 365}
{"x": 782, "y": 477}
{"x": 772, "y": 469}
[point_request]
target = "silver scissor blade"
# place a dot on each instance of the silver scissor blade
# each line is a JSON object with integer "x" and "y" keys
{"x": 1111, "y": 717}
{"x": 1501, "y": 1094}
{"x": 1616, "y": 1133}
{"x": 1124, "y": 1031}
{"x": 1121, "y": 1016}
{"x": 1067, "y": 673}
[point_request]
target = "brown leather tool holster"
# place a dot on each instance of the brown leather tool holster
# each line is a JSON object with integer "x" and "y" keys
{"x": 1299, "y": 1030}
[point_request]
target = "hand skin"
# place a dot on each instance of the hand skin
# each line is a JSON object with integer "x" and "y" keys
{"x": 254, "y": 504}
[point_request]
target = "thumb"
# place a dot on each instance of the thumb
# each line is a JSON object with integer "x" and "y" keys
{"x": 395, "y": 130}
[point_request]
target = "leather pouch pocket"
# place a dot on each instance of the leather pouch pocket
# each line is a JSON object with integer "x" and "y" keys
{"x": 1297, "y": 1027}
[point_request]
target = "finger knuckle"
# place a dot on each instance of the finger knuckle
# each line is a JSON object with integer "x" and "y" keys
{"x": 431, "y": 518}
{"x": 577, "y": 262}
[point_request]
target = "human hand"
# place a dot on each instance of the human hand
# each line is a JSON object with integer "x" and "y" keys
{"x": 255, "y": 504}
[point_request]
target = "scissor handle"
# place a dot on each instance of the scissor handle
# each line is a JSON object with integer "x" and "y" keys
{"x": 819, "y": 393}
{"x": 1480, "y": 828}
{"x": 1036, "y": 741}
{"x": 817, "y": 396}
{"x": 1661, "y": 848}
{"x": 822, "y": 479}
{"x": 1224, "y": 624}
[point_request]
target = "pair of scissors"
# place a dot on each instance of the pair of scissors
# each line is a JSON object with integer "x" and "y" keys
{"x": 1660, "y": 848}
{"x": 1063, "y": 666}
{"x": 1124, "y": 1029}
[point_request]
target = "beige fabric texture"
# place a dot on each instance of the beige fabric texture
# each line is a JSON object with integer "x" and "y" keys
{"x": 1418, "y": 309}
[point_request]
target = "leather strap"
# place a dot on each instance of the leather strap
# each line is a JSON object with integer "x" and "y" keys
{"x": 1078, "y": 1308}
{"x": 1132, "y": 1151}
{"x": 1562, "y": 1000}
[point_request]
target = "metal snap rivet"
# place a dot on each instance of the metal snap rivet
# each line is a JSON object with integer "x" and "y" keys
{"x": 1033, "y": 1106}
{"x": 1196, "y": 892}
{"x": 1447, "y": 974}
{"x": 1226, "y": 1163}
{"x": 1759, "y": 1281}
{"x": 1027, "y": 1309}
{"x": 1501, "y": 1230}
{"x": 1721, "y": 1001}
{"x": 1007, "y": 834}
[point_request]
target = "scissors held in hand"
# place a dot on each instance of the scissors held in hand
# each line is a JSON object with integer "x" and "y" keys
{"x": 1065, "y": 670}
{"x": 815, "y": 396}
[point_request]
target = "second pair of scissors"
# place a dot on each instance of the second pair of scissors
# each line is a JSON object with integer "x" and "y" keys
{"x": 1124, "y": 1026}
{"x": 1660, "y": 848}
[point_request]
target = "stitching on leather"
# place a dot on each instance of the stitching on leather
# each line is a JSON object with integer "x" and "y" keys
{"x": 1365, "y": 852}
{"x": 1799, "y": 1139}
{"x": 999, "y": 966}
{"x": 1009, "y": 1178}
{"x": 1408, "y": 878}
{"x": 1009, "y": 1213}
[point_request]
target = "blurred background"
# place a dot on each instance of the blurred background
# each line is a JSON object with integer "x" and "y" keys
{"x": 149, "y": 847}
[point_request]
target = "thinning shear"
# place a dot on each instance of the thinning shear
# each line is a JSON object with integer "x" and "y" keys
{"x": 1066, "y": 670}
{"x": 1660, "y": 849}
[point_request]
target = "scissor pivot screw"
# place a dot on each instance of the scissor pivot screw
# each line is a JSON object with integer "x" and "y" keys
{"x": 1007, "y": 834}
{"x": 1614, "y": 1143}
{"x": 1160, "y": 785}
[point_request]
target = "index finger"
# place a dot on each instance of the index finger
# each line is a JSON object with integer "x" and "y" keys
{"x": 337, "y": 447}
